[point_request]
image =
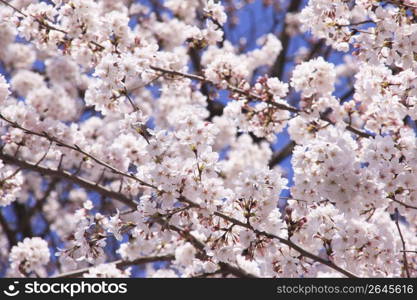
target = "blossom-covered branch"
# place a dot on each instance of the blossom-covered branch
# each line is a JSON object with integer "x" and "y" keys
{"x": 171, "y": 131}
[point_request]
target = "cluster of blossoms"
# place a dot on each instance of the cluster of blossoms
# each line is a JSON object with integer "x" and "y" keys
{"x": 313, "y": 78}
{"x": 10, "y": 183}
{"x": 117, "y": 153}
{"x": 29, "y": 256}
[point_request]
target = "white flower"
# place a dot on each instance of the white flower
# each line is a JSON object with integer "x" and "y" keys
{"x": 314, "y": 77}
{"x": 184, "y": 254}
{"x": 25, "y": 81}
{"x": 324, "y": 18}
{"x": 28, "y": 256}
{"x": 113, "y": 225}
{"x": 246, "y": 237}
{"x": 10, "y": 184}
{"x": 277, "y": 87}
{"x": 216, "y": 10}
{"x": 88, "y": 205}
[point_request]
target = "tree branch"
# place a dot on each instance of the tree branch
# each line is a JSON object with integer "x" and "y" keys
{"x": 293, "y": 7}
{"x": 279, "y": 64}
{"x": 278, "y": 157}
{"x": 253, "y": 96}
{"x": 403, "y": 204}
{"x": 89, "y": 185}
{"x": 8, "y": 231}
{"x": 281, "y": 240}
{"x": 76, "y": 148}
{"x": 238, "y": 272}
{"x": 405, "y": 261}
{"x": 120, "y": 197}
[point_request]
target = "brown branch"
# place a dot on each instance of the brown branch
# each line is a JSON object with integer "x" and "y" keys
{"x": 403, "y": 204}
{"x": 287, "y": 242}
{"x": 401, "y": 4}
{"x": 76, "y": 148}
{"x": 238, "y": 272}
{"x": 315, "y": 49}
{"x": 253, "y": 96}
{"x": 405, "y": 261}
{"x": 347, "y": 95}
{"x": 215, "y": 108}
{"x": 279, "y": 64}
{"x": 117, "y": 196}
{"x": 207, "y": 275}
{"x": 120, "y": 197}
{"x": 46, "y": 25}
{"x": 279, "y": 156}
{"x": 24, "y": 225}
{"x": 10, "y": 234}
{"x": 89, "y": 185}
{"x": 230, "y": 88}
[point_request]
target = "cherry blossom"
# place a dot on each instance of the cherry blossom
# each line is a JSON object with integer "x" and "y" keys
{"x": 180, "y": 137}
{"x": 29, "y": 256}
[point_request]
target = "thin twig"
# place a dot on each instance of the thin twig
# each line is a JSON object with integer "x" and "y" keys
{"x": 253, "y": 96}
{"x": 46, "y": 25}
{"x": 204, "y": 80}
{"x": 278, "y": 157}
{"x": 120, "y": 197}
{"x": 405, "y": 261}
{"x": 76, "y": 148}
{"x": 89, "y": 185}
{"x": 281, "y": 240}
{"x": 10, "y": 234}
{"x": 403, "y": 204}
